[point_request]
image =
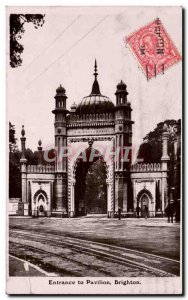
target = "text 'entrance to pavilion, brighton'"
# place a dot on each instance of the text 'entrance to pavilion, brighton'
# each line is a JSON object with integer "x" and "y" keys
{"x": 90, "y": 186}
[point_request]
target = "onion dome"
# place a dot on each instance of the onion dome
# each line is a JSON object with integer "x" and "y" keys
{"x": 60, "y": 97}
{"x": 95, "y": 102}
{"x": 73, "y": 107}
{"x": 121, "y": 86}
{"x": 122, "y": 89}
{"x": 39, "y": 142}
{"x": 60, "y": 92}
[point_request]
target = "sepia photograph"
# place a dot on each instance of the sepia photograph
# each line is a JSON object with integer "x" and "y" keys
{"x": 94, "y": 125}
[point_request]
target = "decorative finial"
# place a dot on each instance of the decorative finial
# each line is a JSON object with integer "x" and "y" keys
{"x": 172, "y": 130}
{"x": 23, "y": 131}
{"x": 95, "y": 70}
{"x": 165, "y": 128}
{"x": 40, "y": 152}
{"x": 95, "y": 88}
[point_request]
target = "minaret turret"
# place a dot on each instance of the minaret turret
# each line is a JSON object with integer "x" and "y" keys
{"x": 123, "y": 132}
{"x": 60, "y": 112}
{"x": 60, "y": 98}
{"x": 23, "y": 163}
{"x": 123, "y": 127}
{"x": 164, "y": 163}
{"x": 121, "y": 94}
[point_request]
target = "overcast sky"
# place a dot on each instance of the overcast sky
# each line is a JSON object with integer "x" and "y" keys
{"x": 69, "y": 60}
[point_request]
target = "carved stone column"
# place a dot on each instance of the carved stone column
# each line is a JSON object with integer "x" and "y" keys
{"x": 164, "y": 160}
{"x": 23, "y": 163}
{"x": 72, "y": 206}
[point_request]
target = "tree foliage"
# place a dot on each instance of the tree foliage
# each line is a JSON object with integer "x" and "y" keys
{"x": 32, "y": 157}
{"x": 17, "y": 30}
{"x": 14, "y": 163}
{"x": 151, "y": 149}
{"x": 12, "y": 138}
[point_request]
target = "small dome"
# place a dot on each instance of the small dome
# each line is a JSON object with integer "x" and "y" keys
{"x": 95, "y": 104}
{"x": 121, "y": 86}
{"x": 74, "y": 106}
{"x": 40, "y": 142}
{"x": 60, "y": 91}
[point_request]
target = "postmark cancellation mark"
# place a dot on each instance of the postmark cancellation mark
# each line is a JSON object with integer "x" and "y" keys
{"x": 153, "y": 48}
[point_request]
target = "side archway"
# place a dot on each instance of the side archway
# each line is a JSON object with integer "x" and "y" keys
{"x": 144, "y": 199}
{"x": 144, "y": 191}
{"x": 40, "y": 202}
{"x": 42, "y": 192}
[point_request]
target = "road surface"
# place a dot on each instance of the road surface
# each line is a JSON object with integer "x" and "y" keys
{"x": 97, "y": 246}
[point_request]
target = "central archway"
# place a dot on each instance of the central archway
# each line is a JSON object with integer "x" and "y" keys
{"x": 90, "y": 183}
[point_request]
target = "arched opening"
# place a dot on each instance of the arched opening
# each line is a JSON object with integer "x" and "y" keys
{"x": 143, "y": 201}
{"x": 40, "y": 204}
{"x": 90, "y": 184}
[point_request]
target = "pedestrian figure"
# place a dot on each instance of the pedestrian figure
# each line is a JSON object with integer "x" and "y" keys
{"x": 146, "y": 211}
{"x": 170, "y": 211}
{"x": 138, "y": 211}
{"x": 167, "y": 211}
{"x": 119, "y": 213}
{"x": 177, "y": 210}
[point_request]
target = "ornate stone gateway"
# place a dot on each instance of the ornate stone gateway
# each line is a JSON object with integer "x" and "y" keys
{"x": 94, "y": 130}
{"x": 87, "y": 157}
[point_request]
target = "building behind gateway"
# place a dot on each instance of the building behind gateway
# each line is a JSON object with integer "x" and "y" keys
{"x": 96, "y": 123}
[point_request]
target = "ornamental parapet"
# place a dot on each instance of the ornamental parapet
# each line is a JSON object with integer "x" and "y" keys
{"x": 150, "y": 167}
{"x": 90, "y": 117}
{"x": 40, "y": 169}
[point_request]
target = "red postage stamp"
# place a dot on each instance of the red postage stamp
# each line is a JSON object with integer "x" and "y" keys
{"x": 153, "y": 48}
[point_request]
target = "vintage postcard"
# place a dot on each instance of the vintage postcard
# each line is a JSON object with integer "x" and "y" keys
{"x": 94, "y": 118}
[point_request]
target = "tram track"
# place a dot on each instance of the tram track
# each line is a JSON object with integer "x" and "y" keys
{"x": 118, "y": 257}
{"x": 51, "y": 268}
